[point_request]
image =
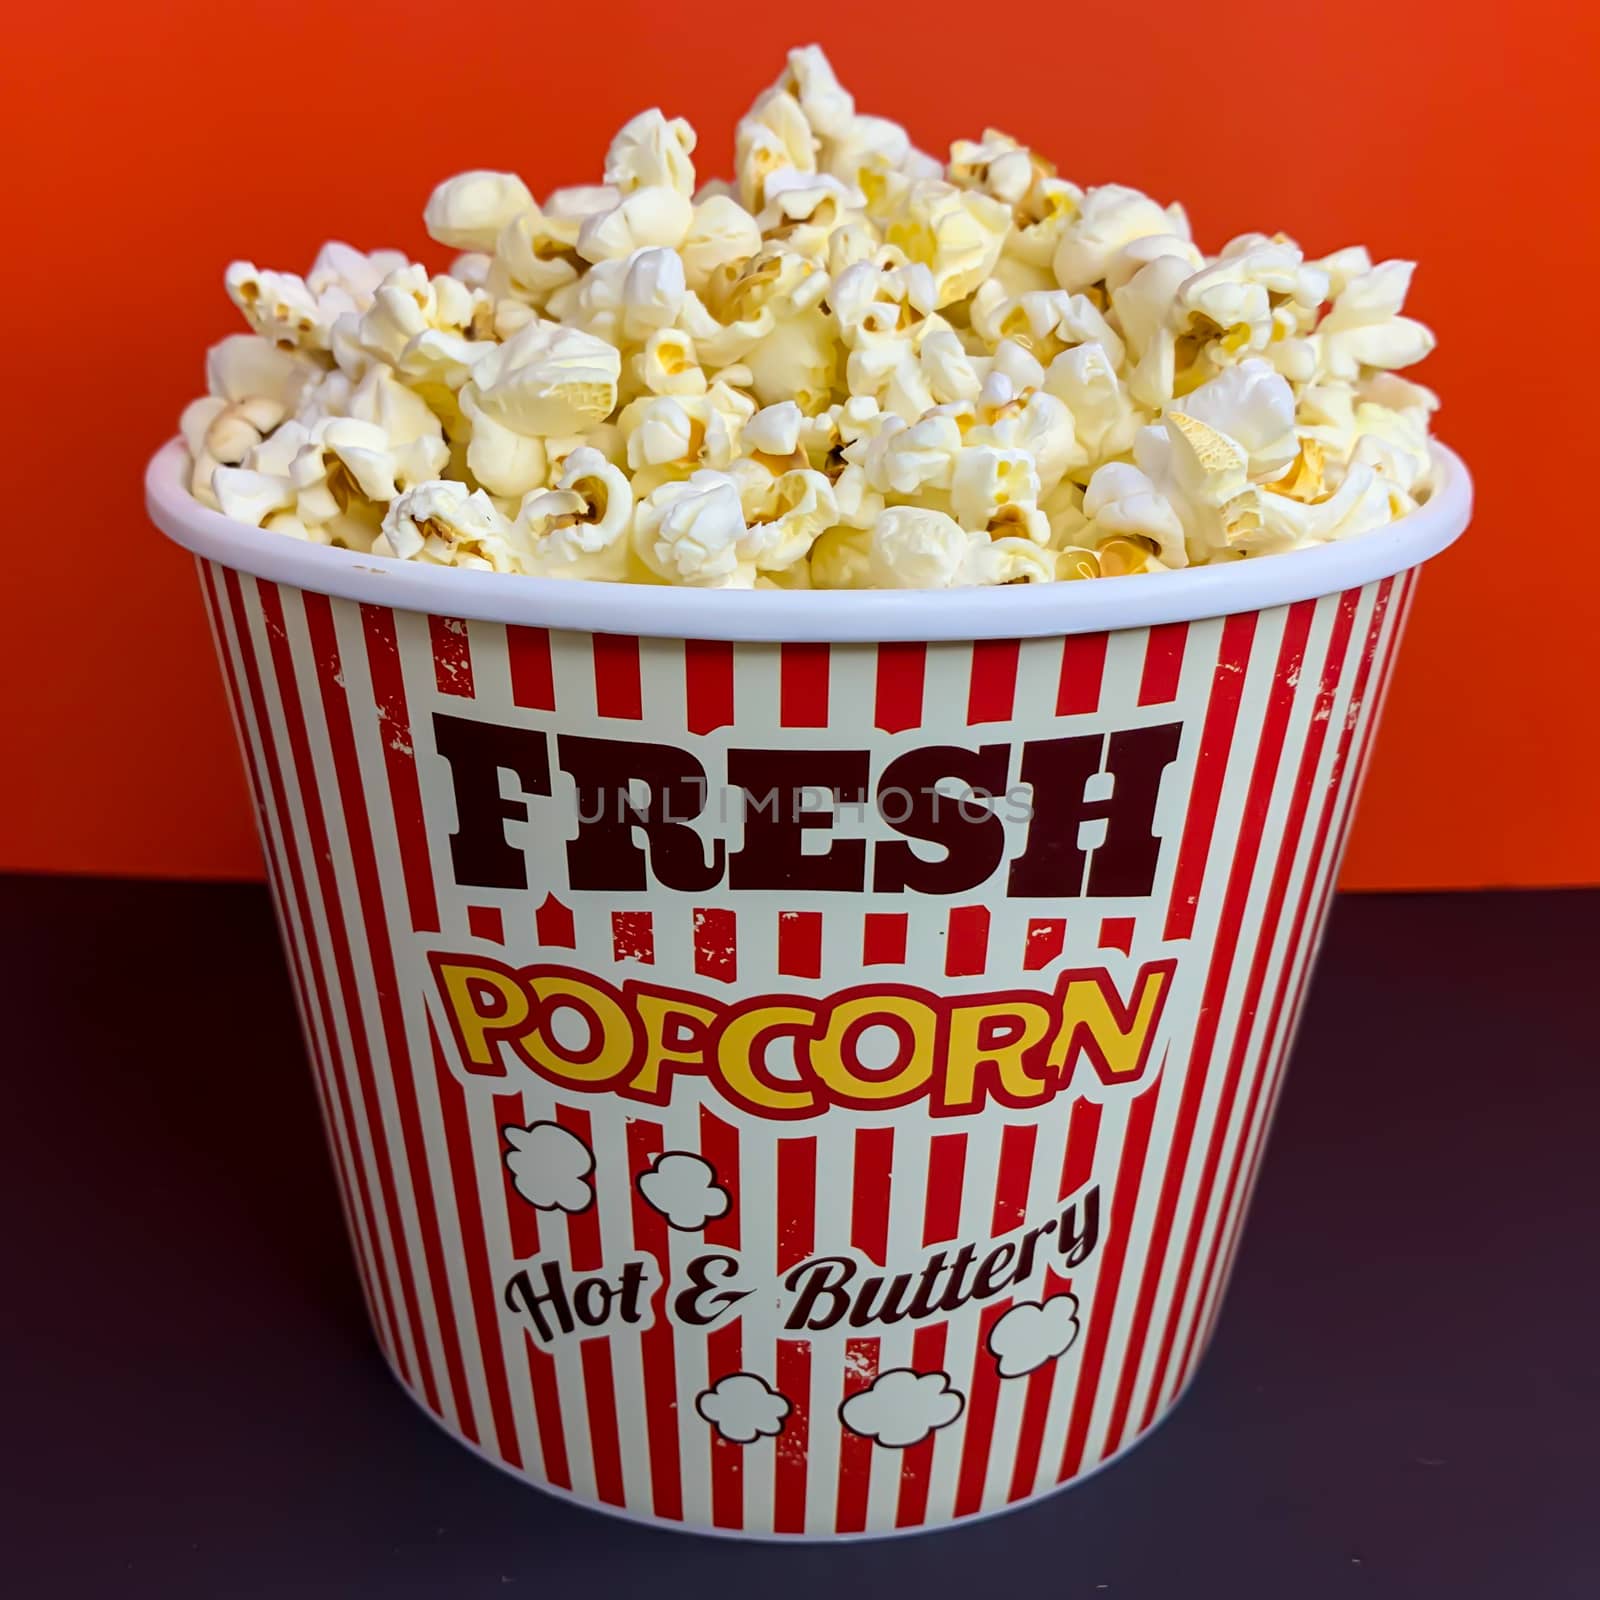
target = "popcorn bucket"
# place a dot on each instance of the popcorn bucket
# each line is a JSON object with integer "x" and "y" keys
{"x": 796, "y": 1063}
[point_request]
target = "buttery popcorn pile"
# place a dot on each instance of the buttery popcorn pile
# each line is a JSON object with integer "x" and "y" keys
{"x": 851, "y": 367}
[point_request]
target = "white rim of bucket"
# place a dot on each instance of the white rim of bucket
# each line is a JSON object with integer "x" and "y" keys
{"x": 1019, "y": 611}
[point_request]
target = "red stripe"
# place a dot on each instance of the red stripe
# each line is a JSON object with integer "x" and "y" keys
{"x": 1045, "y": 940}
{"x": 300, "y": 762}
{"x": 725, "y": 1354}
{"x": 617, "y": 691}
{"x": 583, "y": 1227}
{"x": 947, "y": 1165}
{"x": 553, "y": 925}
{"x": 475, "y": 1252}
{"x": 657, "y": 1360}
{"x": 1116, "y": 933}
{"x": 719, "y": 1145}
{"x": 1252, "y": 824}
{"x": 855, "y": 1451}
{"x": 452, "y": 655}
{"x": 883, "y": 939}
{"x": 485, "y": 922}
{"x": 522, "y": 1221}
{"x": 400, "y": 758}
{"x": 797, "y": 1200}
{"x": 1083, "y": 665}
{"x": 716, "y": 943}
{"x": 869, "y": 1233}
{"x": 797, "y": 1209}
{"x": 992, "y": 688}
{"x": 1271, "y": 915}
{"x": 1306, "y": 936}
{"x": 1163, "y": 663}
{"x": 1124, "y": 1203}
{"x": 284, "y": 867}
{"x": 966, "y": 948}
{"x": 983, "y": 1393}
{"x": 533, "y": 683}
{"x": 546, "y": 1390}
{"x": 869, "y": 1200}
{"x": 941, "y": 1220}
{"x": 800, "y": 944}
{"x": 587, "y": 1253}
{"x": 633, "y": 936}
{"x": 522, "y": 1224}
{"x": 803, "y": 686}
{"x": 600, "y": 1396}
{"x": 1401, "y": 598}
{"x": 901, "y": 669}
{"x": 1211, "y": 768}
{"x": 352, "y": 800}
{"x": 928, "y": 1346}
{"x": 1077, "y": 1165}
{"x": 708, "y": 684}
{"x": 1338, "y": 801}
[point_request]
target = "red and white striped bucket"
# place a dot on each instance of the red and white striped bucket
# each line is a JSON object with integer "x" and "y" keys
{"x": 800, "y": 1167}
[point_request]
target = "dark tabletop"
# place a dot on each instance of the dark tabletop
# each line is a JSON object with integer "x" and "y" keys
{"x": 1402, "y": 1399}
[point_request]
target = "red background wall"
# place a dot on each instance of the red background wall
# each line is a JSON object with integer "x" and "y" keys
{"x": 142, "y": 158}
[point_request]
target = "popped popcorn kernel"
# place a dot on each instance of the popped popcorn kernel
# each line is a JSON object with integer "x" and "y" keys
{"x": 651, "y": 152}
{"x": 580, "y": 528}
{"x": 848, "y": 365}
{"x": 471, "y": 210}
{"x": 443, "y": 523}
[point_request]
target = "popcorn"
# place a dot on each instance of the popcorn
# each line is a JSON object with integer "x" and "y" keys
{"x": 250, "y": 496}
{"x": 1122, "y": 501}
{"x": 721, "y": 233}
{"x": 853, "y": 365}
{"x": 914, "y": 548}
{"x": 668, "y": 364}
{"x": 828, "y": 107}
{"x": 690, "y": 532}
{"x": 345, "y": 476}
{"x": 774, "y": 136}
{"x": 989, "y": 485}
{"x": 472, "y": 210}
{"x": 279, "y": 306}
{"x": 503, "y": 461}
{"x": 655, "y": 215}
{"x": 955, "y": 233}
{"x": 652, "y": 293}
{"x": 433, "y": 330}
{"x": 534, "y": 255}
{"x": 804, "y": 209}
{"x": 446, "y": 524}
{"x": 799, "y": 508}
{"x": 911, "y": 547}
{"x": 651, "y": 152}
{"x": 549, "y": 379}
{"x": 1043, "y": 322}
{"x": 580, "y": 528}
{"x": 254, "y": 385}
{"x": 866, "y": 151}
{"x": 774, "y": 430}
{"x": 1364, "y": 328}
{"x": 841, "y": 559}
{"x": 907, "y": 461}
{"x": 684, "y": 431}
{"x": 1040, "y": 425}
{"x": 1108, "y": 219}
{"x": 1255, "y": 407}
